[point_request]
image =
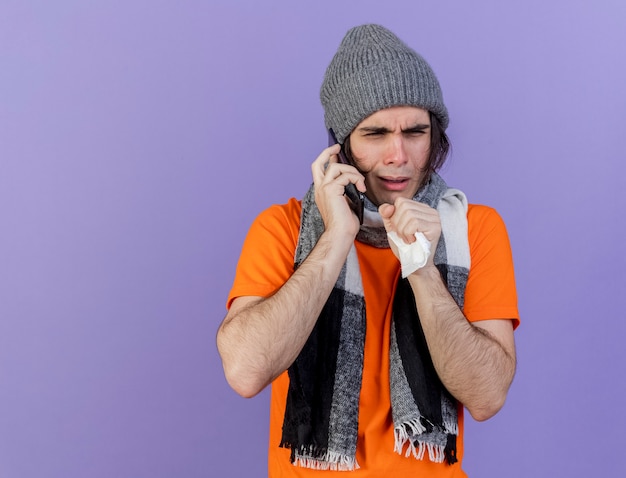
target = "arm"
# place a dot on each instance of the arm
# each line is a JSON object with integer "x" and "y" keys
{"x": 475, "y": 361}
{"x": 261, "y": 337}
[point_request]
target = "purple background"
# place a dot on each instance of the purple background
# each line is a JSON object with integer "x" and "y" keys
{"x": 138, "y": 140}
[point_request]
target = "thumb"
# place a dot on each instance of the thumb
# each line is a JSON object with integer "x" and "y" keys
{"x": 386, "y": 211}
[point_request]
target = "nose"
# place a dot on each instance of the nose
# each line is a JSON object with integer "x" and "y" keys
{"x": 396, "y": 150}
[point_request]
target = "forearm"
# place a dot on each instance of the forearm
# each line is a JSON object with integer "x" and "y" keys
{"x": 260, "y": 340}
{"x": 476, "y": 366}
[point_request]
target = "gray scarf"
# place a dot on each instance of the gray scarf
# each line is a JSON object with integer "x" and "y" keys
{"x": 321, "y": 416}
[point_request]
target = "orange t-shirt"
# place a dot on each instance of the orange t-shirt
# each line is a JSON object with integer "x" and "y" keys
{"x": 266, "y": 263}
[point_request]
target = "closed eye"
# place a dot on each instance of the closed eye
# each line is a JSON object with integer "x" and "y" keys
{"x": 373, "y": 131}
{"x": 416, "y": 130}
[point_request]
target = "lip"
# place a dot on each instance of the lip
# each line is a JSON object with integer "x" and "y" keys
{"x": 394, "y": 183}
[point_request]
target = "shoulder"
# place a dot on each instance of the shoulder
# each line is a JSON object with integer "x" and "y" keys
{"x": 288, "y": 211}
{"x": 484, "y": 222}
{"x": 266, "y": 259}
{"x": 280, "y": 218}
{"x": 490, "y": 291}
{"x": 479, "y": 213}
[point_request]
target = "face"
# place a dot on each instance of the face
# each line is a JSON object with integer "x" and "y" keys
{"x": 390, "y": 148}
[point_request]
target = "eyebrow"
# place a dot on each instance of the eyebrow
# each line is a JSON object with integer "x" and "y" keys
{"x": 416, "y": 128}
{"x": 383, "y": 130}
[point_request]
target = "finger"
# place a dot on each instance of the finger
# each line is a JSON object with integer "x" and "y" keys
{"x": 322, "y": 162}
{"x": 399, "y": 219}
{"x": 416, "y": 217}
{"x": 386, "y": 210}
{"x": 342, "y": 175}
{"x": 403, "y": 218}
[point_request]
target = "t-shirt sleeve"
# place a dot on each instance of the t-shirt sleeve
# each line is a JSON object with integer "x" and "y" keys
{"x": 490, "y": 291}
{"x": 267, "y": 256}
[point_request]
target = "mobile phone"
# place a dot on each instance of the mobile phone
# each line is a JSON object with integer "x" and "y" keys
{"x": 353, "y": 195}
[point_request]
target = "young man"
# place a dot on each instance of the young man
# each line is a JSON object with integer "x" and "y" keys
{"x": 374, "y": 335}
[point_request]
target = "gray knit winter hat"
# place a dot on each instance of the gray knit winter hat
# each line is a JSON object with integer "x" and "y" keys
{"x": 372, "y": 70}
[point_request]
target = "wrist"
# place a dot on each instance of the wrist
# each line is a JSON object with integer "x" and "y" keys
{"x": 335, "y": 243}
{"x": 428, "y": 272}
{"x": 339, "y": 233}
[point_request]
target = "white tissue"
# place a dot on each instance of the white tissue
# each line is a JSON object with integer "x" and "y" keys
{"x": 412, "y": 256}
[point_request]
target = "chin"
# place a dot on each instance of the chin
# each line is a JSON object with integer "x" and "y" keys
{"x": 383, "y": 199}
{"x": 390, "y": 198}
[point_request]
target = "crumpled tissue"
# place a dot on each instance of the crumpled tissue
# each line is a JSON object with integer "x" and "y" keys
{"x": 412, "y": 256}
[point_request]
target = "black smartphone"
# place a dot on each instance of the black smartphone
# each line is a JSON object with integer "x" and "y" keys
{"x": 354, "y": 196}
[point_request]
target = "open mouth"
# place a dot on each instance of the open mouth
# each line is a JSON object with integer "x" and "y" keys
{"x": 394, "y": 184}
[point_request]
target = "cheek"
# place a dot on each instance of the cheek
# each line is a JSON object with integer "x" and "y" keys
{"x": 363, "y": 161}
{"x": 419, "y": 152}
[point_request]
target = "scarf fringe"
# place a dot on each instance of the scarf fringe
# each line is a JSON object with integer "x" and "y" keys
{"x": 436, "y": 453}
{"x": 405, "y": 431}
{"x": 405, "y": 437}
{"x": 330, "y": 460}
{"x": 452, "y": 428}
{"x": 418, "y": 448}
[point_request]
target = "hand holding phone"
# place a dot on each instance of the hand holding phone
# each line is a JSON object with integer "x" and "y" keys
{"x": 353, "y": 195}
